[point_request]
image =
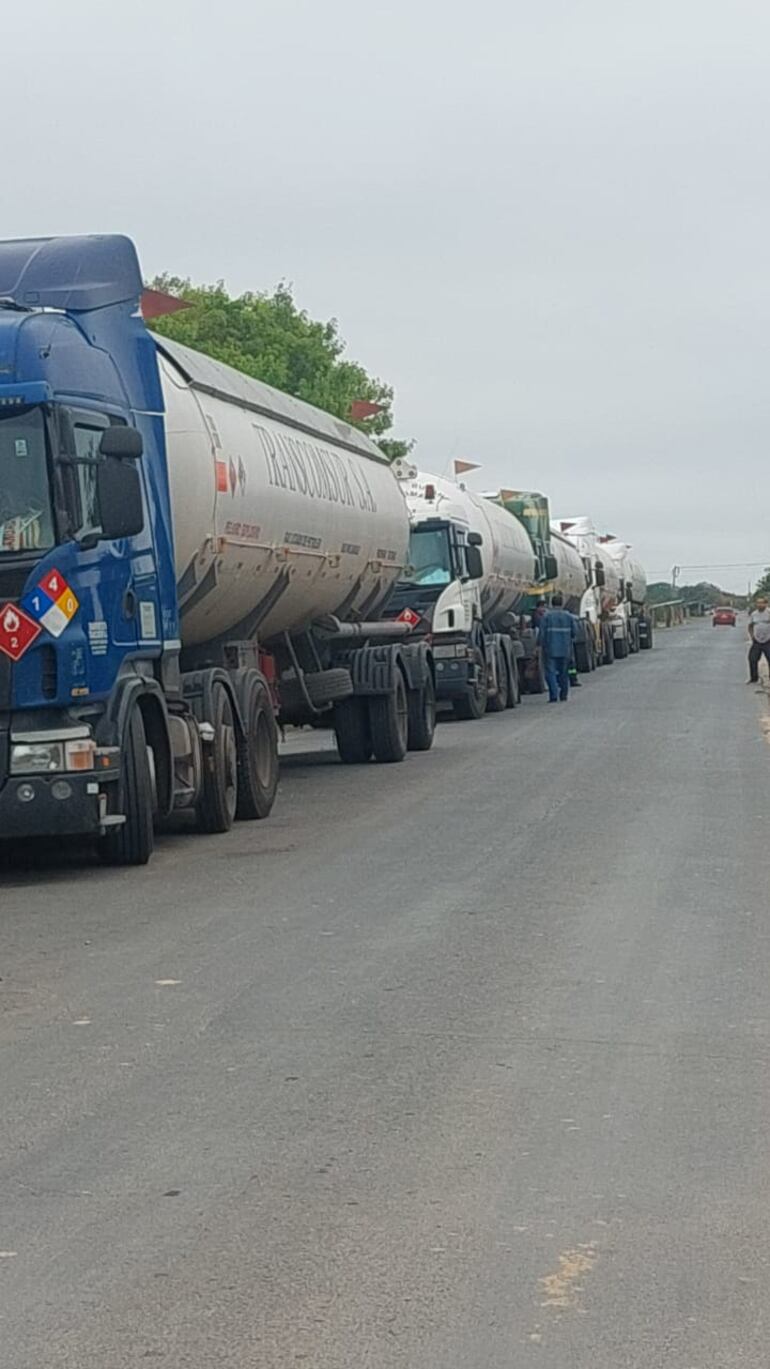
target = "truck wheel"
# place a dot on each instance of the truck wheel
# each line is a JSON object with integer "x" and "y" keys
{"x": 537, "y": 677}
{"x": 323, "y": 687}
{"x": 514, "y": 683}
{"x": 620, "y": 647}
{"x": 473, "y": 704}
{"x": 351, "y": 728}
{"x": 645, "y": 643}
{"x": 422, "y": 717}
{"x": 257, "y": 757}
{"x": 132, "y": 843}
{"x": 609, "y": 648}
{"x": 219, "y": 795}
{"x": 389, "y": 722}
{"x": 583, "y": 657}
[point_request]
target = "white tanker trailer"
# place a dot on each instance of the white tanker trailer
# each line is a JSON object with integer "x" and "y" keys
{"x": 615, "y": 597}
{"x": 470, "y": 565}
{"x": 601, "y": 594}
{"x": 631, "y": 626}
{"x": 290, "y": 531}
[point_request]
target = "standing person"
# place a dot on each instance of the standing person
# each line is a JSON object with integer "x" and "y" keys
{"x": 555, "y": 635}
{"x": 539, "y": 612}
{"x": 759, "y": 632}
{"x": 574, "y": 678}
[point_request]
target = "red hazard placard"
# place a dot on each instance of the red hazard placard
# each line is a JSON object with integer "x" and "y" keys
{"x": 54, "y": 584}
{"x": 17, "y": 631}
{"x": 408, "y": 615}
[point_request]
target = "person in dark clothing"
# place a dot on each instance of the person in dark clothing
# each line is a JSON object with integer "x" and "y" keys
{"x": 539, "y": 612}
{"x": 555, "y": 636}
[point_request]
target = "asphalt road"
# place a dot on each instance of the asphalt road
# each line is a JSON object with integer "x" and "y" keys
{"x": 461, "y": 1064}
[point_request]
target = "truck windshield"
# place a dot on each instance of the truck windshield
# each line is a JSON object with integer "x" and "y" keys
{"x": 429, "y": 557}
{"x": 26, "y": 522}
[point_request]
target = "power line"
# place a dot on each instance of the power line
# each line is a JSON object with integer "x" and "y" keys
{"x": 708, "y": 565}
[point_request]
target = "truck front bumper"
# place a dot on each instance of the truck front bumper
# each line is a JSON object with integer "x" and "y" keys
{"x": 50, "y": 806}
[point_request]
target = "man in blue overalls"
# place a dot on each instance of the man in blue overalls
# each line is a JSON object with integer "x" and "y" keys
{"x": 555, "y": 635}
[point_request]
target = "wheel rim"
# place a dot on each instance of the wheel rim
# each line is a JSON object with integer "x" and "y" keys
{"x": 263, "y": 752}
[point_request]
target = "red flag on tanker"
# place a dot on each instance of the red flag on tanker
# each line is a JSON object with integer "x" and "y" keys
{"x": 155, "y": 303}
{"x": 362, "y": 408}
{"x": 462, "y": 466}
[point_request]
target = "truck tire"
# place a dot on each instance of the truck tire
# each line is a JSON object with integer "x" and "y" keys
{"x": 498, "y": 702}
{"x": 620, "y": 648}
{"x": 323, "y": 687}
{"x": 537, "y": 677}
{"x": 132, "y": 843}
{"x": 422, "y": 717}
{"x": 389, "y": 722}
{"x": 257, "y": 757}
{"x": 219, "y": 794}
{"x": 583, "y": 657}
{"x": 645, "y": 642}
{"x": 609, "y": 648}
{"x": 514, "y": 683}
{"x": 472, "y": 705}
{"x": 351, "y": 728}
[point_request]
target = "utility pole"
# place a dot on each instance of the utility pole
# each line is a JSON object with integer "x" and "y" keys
{"x": 675, "y": 576}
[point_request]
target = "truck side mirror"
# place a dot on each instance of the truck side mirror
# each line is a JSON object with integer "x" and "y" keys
{"x": 551, "y": 567}
{"x": 474, "y": 562}
{"x": 119, "y": 494}
{"x": 122, "y": 443}
{"x": 599, "y": 575}
{"x": 475, "y": 539}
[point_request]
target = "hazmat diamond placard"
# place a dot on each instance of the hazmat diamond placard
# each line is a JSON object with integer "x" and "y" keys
{"x": 17, "y": 631}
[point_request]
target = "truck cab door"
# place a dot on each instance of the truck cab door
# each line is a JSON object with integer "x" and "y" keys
{"x": 125, "y": 598}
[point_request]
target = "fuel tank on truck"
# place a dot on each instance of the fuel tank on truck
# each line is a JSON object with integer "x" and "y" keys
{"x": 610, "y": 590}
{"x": 506, "y": 551}
{"x": 626, "y": 568}
{"x": 282, "y": 513}
{"x": 571, "y": 579}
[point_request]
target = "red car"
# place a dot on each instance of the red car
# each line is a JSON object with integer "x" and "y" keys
{"x": 724, "y": 617}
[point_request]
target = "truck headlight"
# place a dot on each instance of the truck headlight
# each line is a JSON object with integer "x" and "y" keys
{"x": 46, "y": 758}
{"x": 36, "y": 758}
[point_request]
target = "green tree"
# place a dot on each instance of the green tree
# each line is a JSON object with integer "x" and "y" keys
{"x": 762, "y": 587}
{"x": 268, "y": 337}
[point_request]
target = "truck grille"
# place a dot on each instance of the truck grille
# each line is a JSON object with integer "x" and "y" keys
{"x": 49, "y": 674}
{"x": 5, "y": 684}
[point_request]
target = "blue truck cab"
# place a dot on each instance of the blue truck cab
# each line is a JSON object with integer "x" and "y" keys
{"x": 100, "y": 733}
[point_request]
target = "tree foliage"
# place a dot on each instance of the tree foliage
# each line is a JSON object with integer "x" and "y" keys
{"x": 704, "y": 592}
{"x": 762, "y": 587}
{"x": 268, "y": 337}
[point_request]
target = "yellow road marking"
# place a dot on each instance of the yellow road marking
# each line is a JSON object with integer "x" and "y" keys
{"x": 563, "y": 1288}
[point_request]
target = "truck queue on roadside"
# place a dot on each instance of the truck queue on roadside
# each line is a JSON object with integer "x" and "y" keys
{"x": 190, "y": 559}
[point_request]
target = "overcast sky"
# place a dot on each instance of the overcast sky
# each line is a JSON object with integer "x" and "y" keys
{"x": 546, "y": 223}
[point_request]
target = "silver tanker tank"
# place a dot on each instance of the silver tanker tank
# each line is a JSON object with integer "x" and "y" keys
{"x": 283, "y": 514}
{"x": 570, "y": 580}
